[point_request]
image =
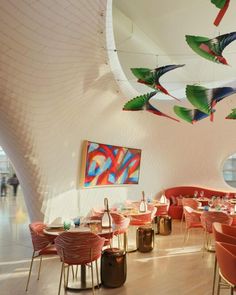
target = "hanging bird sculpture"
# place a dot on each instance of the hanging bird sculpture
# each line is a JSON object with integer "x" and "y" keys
{"x": 205, "y": 99}
{"x": 151, "y": 77}
{"x": 211, "y": 49}
{"x": 140, "y": 103}
{"x": 223, "y": 6}
{"x": 191, "y": 116}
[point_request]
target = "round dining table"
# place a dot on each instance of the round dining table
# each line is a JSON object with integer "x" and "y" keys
{"x": 93, "y": 226}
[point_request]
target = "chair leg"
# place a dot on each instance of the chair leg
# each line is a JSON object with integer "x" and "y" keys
{"x": 73, "y": 272}
{"x": 214, "y": 277}
{"x": 231, "y": 290}
{"x": 204, "y": 243}
{"x": 67, "y": 276}
{"x": 96, "y": 262}
{"x": 92, "y": 277}
{"x": 125, "y": 241}
{"x": 40, "y": 263}
{"x": 76, "y": 271}
{"x": 185, "y": 235}
{"x": 31, "y": 265}
{"x": 218, "y": 286}
{"x": 118, "y": 237}
{"x": 181, "y": 223}
{"x": 62, "y": 272}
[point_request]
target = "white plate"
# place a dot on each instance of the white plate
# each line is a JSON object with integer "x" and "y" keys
{"x": 55, "y": 225}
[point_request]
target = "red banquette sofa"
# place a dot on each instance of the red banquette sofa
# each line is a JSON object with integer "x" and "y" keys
{"x": 174, "y": 194}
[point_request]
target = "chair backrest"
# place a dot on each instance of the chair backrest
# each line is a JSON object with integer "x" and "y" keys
{"x": 39, "y": 239}
{"x": 140, "y": 219}
{"x": 97, "y": 213}
{"x": 220, "y": 235}
{"x": 153, "y": 212}
{"x": 209, "y": 217}
{"x": 79, "y": 247}
{"x": 191, "y": 218}
{"x": 226, "y": 257}
{"x": 162, "y": 210}
{"x": 229, "y": 230}
{"x": 121, "y": 223}
{"x": 190, "y": 203}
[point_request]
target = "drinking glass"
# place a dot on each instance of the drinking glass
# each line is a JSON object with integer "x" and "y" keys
{"x": 195, "y": 194}
{"x": 67, "y": 224}
{"x": 211, "y": 202}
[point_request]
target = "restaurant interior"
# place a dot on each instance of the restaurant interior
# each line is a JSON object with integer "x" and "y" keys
{"x": 118, "y": 118}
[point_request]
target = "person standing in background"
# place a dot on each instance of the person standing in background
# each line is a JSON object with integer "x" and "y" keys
{"x": 14, "y": 182}
{"x": 3, "y": 186}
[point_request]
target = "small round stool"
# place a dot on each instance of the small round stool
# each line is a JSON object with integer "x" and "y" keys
{"x": 113, "y": 267}
{"x": 145, "y": 239}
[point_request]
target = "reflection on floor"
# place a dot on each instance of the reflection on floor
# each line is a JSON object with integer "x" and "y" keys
{"x": 169, "y": 269}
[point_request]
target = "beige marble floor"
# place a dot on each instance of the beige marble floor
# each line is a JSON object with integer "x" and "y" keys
{"x": 170, "y": 269}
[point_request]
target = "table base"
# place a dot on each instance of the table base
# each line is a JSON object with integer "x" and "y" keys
{"x": 76, "y": 285}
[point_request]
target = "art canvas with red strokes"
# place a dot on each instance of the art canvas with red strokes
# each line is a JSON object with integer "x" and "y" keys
{"x": 106, "y": 164}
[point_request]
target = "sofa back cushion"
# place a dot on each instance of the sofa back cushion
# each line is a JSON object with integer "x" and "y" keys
{"x": 188, "y": 191}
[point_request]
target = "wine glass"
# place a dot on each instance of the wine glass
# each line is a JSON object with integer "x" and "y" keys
{"x": 211, "y": 202}
{"x": 202, "y": 194}
{"x": 195, "y": 194}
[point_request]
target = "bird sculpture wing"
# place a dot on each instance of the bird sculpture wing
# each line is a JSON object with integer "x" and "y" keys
{"x": 139, "y": 103}
{"x": 211, "y": 49}
{"x": 144, "y": 76}
{"x": 158, "y": 72}
{"x": 151, "y": 77}
{"x": 223, "y": 6}
{"x": 152, "y": 109}
{"x": 205, "y": 99}
{"x": 232, "y": 115}
{"x": 189, "y": 115}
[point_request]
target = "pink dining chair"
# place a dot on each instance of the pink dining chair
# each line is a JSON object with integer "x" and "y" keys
{"x": 140, "y": 219}
{"x": 207, "y": 219}
{"x": 121, "y": 225}
{"x": 78, "y": 248}
{"x": 192, "y": 220}
{"x": 162, "y": 210}
{"x": 42, "y": 246}
{"x": 222, "y": 233}
{"x": 189, "y": 202}
{"x": 226, "y": 257}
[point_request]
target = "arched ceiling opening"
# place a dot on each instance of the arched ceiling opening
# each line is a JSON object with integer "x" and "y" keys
{"x": 152, "y": 33}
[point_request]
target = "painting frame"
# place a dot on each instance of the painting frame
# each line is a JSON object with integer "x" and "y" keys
{"x": 106, "y": 165}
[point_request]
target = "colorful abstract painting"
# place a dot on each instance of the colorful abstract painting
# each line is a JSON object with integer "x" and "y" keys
{"x": 105, "y": 164}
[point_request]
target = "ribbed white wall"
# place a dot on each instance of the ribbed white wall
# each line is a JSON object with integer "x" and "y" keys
{"x": 57, "y": 89}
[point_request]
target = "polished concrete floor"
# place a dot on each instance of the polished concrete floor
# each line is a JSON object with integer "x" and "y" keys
{"x": 170, "y": 269}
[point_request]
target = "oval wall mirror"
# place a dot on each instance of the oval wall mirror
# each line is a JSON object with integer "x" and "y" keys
{"x": 229, "y": 170}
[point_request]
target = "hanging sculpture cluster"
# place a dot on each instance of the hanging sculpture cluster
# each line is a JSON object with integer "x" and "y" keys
{"x": 203, "y": 99}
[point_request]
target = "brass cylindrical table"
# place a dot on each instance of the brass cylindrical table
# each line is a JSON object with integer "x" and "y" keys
{"x": 113, "y": 267}
{"x": 164, "y": 225}
{"x": 145, "y": 239}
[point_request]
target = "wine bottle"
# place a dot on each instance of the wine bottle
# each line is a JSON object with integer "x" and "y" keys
{"x": 143, "y": 204}
{"x": 106, "y": 218}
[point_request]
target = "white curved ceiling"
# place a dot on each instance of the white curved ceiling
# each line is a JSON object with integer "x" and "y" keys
{"x": 165, "y": 24}
{"x": 57, "y": 89}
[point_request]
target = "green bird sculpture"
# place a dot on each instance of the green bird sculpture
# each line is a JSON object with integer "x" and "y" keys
{"x": 211, "y": 49}
{"x": 151, "y": 77}
{"x": 189, "y": 115}
{"x": 141, "y": 103}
